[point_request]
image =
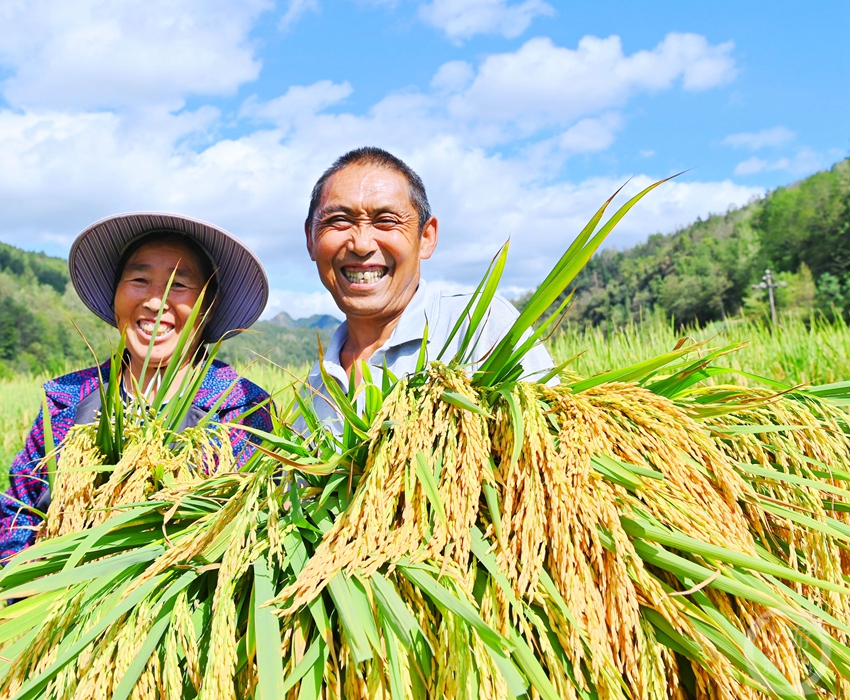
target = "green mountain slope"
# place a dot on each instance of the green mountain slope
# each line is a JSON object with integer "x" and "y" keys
{"x": 705, "y": 271}
{"x": 38, "y": 312}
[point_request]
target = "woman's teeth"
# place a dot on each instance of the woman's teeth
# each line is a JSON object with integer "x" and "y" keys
{"x": 148, "y": 327}
{"x": 364, "y": 276}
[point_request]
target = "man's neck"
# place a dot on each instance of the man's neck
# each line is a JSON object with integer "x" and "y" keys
{"x": 365, "y": 337}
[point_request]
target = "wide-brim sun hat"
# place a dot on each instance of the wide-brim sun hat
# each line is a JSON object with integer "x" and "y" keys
{"x": 243, "y": 288}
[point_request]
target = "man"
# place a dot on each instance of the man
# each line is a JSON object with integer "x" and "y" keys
{"x": 368, "y": 229}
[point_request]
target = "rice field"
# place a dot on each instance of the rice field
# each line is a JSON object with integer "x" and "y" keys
{"x": 799, "y": 351}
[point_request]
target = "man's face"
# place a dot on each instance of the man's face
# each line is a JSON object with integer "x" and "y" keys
{"x": 366, "y": 243}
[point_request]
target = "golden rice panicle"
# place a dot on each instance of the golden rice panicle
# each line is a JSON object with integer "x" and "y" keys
{"x": 637, "y": 427}
{"x": 353, "y": 674}
{"x": 553, "y": 505}
{"x": 522, "y": 488}
{"x": 642, "y": 428}
{"x": 243, "y": 548}
{"x": 457, "y": 674}
{"x": 460, "y": 450}
{"x": 74, "y": 486}
{"x": 390, "y": 514}
{"x": 594, "y": 582}
{"x": 43, "y": 649}
{"x": 813, "y": 446}
{"x": 184, "y": 635}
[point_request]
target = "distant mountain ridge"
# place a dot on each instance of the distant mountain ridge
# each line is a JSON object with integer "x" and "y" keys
{"x": 320, "y": 321}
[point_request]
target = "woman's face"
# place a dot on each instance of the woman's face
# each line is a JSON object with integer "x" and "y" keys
{"x": 140, "y": 295}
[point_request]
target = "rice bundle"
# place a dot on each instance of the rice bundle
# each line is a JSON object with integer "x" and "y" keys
{"x": 632, "y": 535}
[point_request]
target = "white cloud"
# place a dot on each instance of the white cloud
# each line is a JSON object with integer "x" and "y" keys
{"x": 299, "y": 102}
{"x": 751, "y": 166}
{"x": 452, "y": 77}
{"x": 463, "y": 19}
{"x": 63, "y": 167}
{"x": 776, "y": 136}
{"x": 543, "y": 84}
{"x": 804, "y": 162}
{"x": 62, "y": 173}
{"x": 137, "y": 53}
{"x": 589, "y": 135}
{"x": 295, "y": 10}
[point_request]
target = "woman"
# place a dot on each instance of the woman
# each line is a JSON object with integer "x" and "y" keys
{"x": 120, "y": 267}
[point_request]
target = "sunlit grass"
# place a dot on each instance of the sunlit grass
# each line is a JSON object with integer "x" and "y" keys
{"x": 797, "y": 352}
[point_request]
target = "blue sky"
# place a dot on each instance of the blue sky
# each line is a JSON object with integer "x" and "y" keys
{"x": 522, "y": 116}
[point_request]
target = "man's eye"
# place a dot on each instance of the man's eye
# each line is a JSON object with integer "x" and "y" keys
{"x": 337, "y": 221}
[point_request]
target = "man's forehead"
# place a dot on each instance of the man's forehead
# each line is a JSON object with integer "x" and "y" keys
{"x": 366, "y": 186}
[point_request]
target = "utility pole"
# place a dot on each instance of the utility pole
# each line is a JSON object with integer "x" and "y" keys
{"x": 768, "y": 284}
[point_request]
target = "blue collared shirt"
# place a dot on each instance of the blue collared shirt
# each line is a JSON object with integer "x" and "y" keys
{"x": 441, "y": 311}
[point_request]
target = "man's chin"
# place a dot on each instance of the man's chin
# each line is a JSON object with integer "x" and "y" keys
{"x": 363, "y": 309}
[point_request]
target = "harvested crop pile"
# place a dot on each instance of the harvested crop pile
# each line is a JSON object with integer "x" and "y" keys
{"x": 638, "y": 534}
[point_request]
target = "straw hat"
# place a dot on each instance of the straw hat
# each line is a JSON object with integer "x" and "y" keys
{"x": 243, "y": 287}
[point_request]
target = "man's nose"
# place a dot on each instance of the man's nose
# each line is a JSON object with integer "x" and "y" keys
{"x": 362, "y": 240}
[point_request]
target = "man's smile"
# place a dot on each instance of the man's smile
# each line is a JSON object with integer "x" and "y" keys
{"x": 365, "y": 275}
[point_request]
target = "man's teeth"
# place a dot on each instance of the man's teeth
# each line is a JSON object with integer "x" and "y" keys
{"x": 364, "y": 276}
{"x": 148, "y": 327}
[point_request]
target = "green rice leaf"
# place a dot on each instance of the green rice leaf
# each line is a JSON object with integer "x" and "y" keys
{"x": 267, "y": 630}
{"x": 463, "y": 402}
{"x": 527, "y": 661}
{"x": 356, "y": 617}
{"x": 429, "y": 485}
{"x": 87, "y": 572}
{"x": 462, "y": 608}
{"x": 691, "y": 544}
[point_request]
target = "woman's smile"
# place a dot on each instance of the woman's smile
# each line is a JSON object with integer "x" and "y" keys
{"x": 148, "y": 327}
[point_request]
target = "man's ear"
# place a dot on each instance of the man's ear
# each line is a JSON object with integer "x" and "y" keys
{"x": 428, "y": 238}
{"x": 309, "y": 234}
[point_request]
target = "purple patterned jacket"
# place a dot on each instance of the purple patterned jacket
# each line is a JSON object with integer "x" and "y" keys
{"x": 17, "y": 524}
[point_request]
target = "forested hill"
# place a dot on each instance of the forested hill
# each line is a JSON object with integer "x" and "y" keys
{"x": 705, "y": 271}
{"x": 39, "y": 310}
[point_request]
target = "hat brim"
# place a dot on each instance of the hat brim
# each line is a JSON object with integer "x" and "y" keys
{"x": 243, "y": 288}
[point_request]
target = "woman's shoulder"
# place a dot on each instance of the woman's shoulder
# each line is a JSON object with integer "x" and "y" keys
{"x": 220, "y": 378}
{"x": 71, "y": 388}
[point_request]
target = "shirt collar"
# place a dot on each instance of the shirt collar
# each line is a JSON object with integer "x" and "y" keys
{"x": 411, "y": 327}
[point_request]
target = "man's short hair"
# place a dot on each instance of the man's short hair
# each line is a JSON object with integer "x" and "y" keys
{"x": 370, "y": 155}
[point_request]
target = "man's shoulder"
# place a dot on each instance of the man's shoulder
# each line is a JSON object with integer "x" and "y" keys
{"x": 447, "y": 306}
